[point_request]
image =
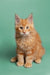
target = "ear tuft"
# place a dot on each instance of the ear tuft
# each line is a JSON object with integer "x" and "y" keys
{"x": 17, "y": 19}
{"x": 30, "y": 18}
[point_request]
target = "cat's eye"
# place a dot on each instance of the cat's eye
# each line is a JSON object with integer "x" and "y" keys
{"x": 27, "y": 27}
{"x": 21, "y": 27}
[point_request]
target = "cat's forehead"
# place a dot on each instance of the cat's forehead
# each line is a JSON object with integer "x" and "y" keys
{"x": 24, "y": 22}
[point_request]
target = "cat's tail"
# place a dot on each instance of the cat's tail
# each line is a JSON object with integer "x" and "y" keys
{"x": 13, "y": 59}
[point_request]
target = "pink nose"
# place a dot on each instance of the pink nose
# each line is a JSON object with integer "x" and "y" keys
{"x": 24, "y": 32}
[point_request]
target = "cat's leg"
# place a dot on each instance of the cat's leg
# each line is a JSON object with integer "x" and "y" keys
{"x": 38, "y": 61}
{"x": 41, "y": 52}
{"x": 13, "y": 59}
{"x": 20, "y": 59}
{"x": 29, "y": 59}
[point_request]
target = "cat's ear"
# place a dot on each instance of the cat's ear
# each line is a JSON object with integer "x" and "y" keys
{"x": 30, "y": 18}
{"x": 17, "y": 19}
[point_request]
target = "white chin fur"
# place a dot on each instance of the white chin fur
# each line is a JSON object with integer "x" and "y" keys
{"x": 24, "y": 34}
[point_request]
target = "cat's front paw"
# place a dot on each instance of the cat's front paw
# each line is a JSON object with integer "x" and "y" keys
{"x": 28, "y": 65}
{"x": 20, "y": 63}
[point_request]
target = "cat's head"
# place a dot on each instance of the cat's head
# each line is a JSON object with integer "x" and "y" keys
{"x": 24, "y": 26}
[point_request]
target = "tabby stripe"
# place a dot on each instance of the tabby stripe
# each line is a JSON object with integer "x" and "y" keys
{"x": 21, "y": 53}
{"x": 29, "y": 54}
{"x": 28, "y": 50}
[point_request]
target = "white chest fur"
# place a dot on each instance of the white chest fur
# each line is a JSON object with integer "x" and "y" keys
{"x": 26, "y": 43}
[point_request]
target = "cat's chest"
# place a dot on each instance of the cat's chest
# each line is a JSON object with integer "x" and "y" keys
{"x": 26, "y": 42}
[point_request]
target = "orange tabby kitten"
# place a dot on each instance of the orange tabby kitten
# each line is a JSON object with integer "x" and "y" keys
{"x": 28, "y": 42}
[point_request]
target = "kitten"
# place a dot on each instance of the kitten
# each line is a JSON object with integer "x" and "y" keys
{"x": 28, "y": 42}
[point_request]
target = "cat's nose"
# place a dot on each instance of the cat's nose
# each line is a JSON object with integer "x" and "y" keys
{"x": 24, "y": 32}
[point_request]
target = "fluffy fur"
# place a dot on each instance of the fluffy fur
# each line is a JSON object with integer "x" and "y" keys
{"x": 28, "y": 42}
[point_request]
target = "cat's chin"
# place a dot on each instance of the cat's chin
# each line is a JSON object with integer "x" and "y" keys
{"x": 25, "y": 35}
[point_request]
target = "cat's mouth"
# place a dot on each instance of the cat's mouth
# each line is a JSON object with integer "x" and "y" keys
{"x": 24, "y": 33}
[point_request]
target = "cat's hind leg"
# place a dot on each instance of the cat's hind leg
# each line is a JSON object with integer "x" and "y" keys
{"x": 13, "y": 59}
{"x": 38, "y": 61}
{"x": 39, "y": 55}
